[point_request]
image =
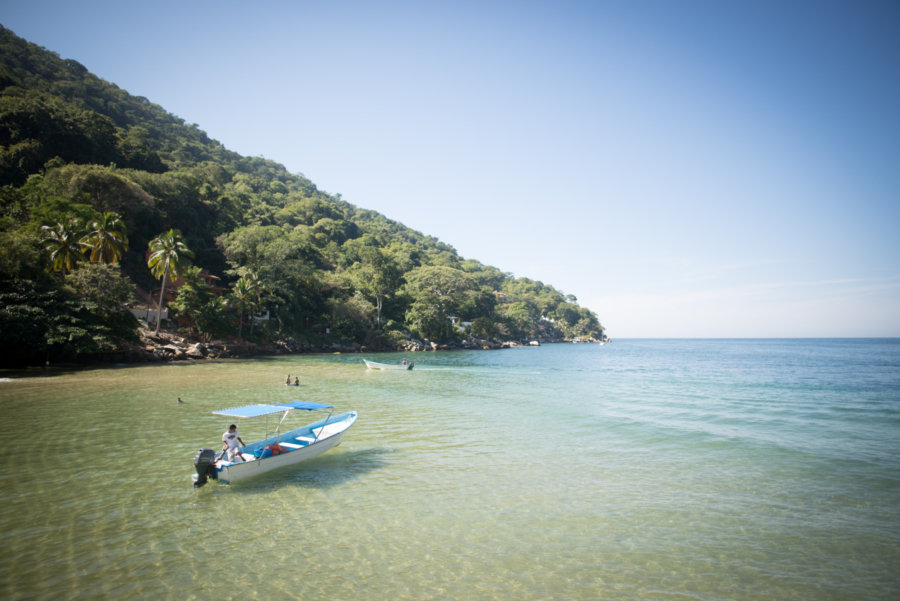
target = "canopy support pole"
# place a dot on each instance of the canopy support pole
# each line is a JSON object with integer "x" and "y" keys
{"x": 322, "y": 429}
{"x": 278, "y": 429}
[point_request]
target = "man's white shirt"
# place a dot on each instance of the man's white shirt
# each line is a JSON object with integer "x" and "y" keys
{"x": 230, "y": 439}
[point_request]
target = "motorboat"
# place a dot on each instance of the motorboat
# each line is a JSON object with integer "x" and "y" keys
{"x": 374, "y": 365}
{"x": 277, "y": 450}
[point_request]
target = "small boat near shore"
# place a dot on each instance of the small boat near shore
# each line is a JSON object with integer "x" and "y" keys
{"x": 374, "y": 365}
{"x": 279, "y": 449}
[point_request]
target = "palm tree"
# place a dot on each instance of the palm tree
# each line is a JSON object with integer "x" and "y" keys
{"x": 169, "y": 257}
{"x": 258, "y": 288}
{"x": 106, "y": 238}
{"x": 242, "y": 294}
{"x": 64, "y": 243}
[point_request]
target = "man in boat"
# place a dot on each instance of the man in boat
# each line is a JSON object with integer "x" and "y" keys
{"x": 404, "y": 362}
{"x": 230, "y": 440}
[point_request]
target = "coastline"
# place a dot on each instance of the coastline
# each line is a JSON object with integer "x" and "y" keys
{"x": 167, "y": 348}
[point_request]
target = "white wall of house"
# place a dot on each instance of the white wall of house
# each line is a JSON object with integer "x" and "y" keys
{"x": 460, "y": 325}
{"x": 149, "y": 316}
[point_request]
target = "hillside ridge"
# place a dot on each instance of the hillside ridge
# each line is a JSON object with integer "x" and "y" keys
{"x": 75, "y": 147}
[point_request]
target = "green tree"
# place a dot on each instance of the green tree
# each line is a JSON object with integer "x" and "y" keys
{"x": 243, "y": 295}
{"x": 213, "y": 320}
{"x": 168, "y": 257}
{"x": 63, "y": 241}
{"x": 136, "y": 149}
{"x": 521, "y": 317}
{"x": 481, "y": 304}
{"x": 285, "y": 261}
{"x": 40, "y": 322}
{"x": 106, "y": 238}
{"x": 207, "y": 312}
{"x": 251, "y": 247}
{"x": 193, "y": 294}
{"x": 101, "y": 284}
{"x": 260, "y": 289}
{"x": 437, "y": 293}
{"x": 350, "y": 317}
{"x": 484, "y": 327}
{"x": 485, "y": 275}
{"x": 376, "y": 276}
{"x": 105, "y": 189}
{"x": 21, "y": 255}
{"x": 577, "y": 321}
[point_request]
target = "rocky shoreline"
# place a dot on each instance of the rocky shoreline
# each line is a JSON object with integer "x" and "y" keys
{"x": 165, "y": 347}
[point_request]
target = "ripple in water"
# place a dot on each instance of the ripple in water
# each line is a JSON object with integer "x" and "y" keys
{"x": 638, "y": 470}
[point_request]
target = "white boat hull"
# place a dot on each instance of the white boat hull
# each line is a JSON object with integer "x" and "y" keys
{"x": 329, "y": 438}
{"x": 239, "y": 471}
{"x": 374, "y": 365}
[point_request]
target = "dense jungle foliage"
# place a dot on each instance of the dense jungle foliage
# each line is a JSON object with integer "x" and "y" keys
{"x": 76, "y": 150}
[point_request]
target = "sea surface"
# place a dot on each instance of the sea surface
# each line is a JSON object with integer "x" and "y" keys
{"x": 642, "y": 469}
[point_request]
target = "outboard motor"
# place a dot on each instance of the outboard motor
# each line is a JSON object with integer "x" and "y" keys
{"x": 410, "y": 366}
{"x": 205, "y": 464}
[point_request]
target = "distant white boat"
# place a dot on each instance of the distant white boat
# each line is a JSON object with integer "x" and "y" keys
{"x": 374, "y": 365}
{"x": 277, "y": 450}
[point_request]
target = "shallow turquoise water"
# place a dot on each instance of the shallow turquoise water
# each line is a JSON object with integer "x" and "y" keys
{"x": 743, "y": 469}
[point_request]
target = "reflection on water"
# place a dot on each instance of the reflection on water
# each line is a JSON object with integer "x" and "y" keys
{"x": 642, "y": 469}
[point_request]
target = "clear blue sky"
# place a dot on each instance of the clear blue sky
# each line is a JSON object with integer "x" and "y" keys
{"x": 686, "y": 169}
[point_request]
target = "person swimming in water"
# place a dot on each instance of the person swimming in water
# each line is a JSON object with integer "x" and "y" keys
{"x": 288, "y": 381}
{"x": 296, "y": 381}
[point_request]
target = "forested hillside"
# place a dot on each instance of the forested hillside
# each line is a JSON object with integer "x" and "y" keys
{"x": 80, "y": 158}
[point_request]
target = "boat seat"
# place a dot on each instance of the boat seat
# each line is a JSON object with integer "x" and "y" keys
{"x": 329, "y": 430}
{"x": 306, "y": 439}
{"x": 291, "y": 445}
{"x": 245, "y": 456}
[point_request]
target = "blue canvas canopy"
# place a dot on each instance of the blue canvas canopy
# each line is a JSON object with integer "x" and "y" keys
{"x": 260, "y": 410}
{"x": 251, "y": 411}
{"x": 305, "y": 405}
